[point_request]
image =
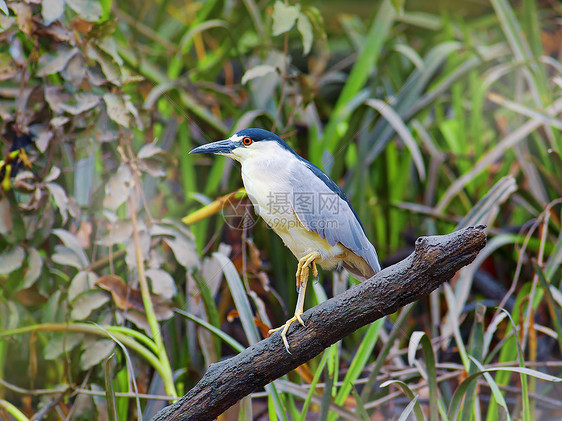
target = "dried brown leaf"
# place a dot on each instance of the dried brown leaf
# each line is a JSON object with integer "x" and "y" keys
{"x": 23, "y": 17}
{"x": 8, "y": 68}
{"x": 6, "y": 222}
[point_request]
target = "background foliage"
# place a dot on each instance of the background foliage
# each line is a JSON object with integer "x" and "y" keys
{"x": 430, "y": 118}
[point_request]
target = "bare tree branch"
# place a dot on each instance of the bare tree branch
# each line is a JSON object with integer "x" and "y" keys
{"x": 435, "y": 260}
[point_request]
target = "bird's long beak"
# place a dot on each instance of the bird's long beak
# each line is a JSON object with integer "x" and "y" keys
{"x": 220, "y": 147}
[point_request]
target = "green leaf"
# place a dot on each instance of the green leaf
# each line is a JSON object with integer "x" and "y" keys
{"x": 408, "y": 410}
{"x": 89, "y": 10}
{"x": 11, "y": 260}
{"x": 71, "y": 242}
{"x": 51, "y": 10}
{"x": 55, "y": 62}
{"x": 96, "y": 352}
{"x": 284, "y": 17}
{"x": 256, "y": 72}
{"x": 398, "y": 5}
{"x": 305, "y": 28}
{"x": 34, "y": 267}
{"x": 60, "y": 198}
{"x": 4, "y": 8}
{"x": 117, "y": 110}
{"x": 82, "y": 282}
{"x": 86, "y": 303}
{"x": 61, "y": 343}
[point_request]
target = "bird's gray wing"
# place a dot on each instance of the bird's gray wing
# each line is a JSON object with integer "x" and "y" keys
{"x": 322, "y": 207}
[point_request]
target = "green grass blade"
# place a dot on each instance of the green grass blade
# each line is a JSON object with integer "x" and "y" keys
{"x": 461, "y": 390}
{"x": 511, "y": 29}
{"x": 356, "y": 367}
{"x": 246, "y": 412}
{"x": 396, "y": 122}
{"x": 420, "y": 416}
{"x": 240, "y": 297}
{"x": 485, "y": 211}
{"x": 383, "y": 354}
{"x": 233, "y": 343}
{"x": 408, "y": 410}
{"x": 109, "y": 390}
{"x": 553, "y": 309}
{"x": 210, "y": 307}
{"x": 327, "y": 397}
{"x": 315, "y": 379}
{"x": 430, "y": 370}
{"x": 555, "y": 258}
{"x": 455, "y": 323}
{"x": 409, "y": 95}
{"x": 244, "y": 308}
{"x": 13, "y": 411}
{"x": 476, "y": 349}
{"x": 362, "y": 68}
{"x": 456, "y": 401}
{"x": 360, "y": 409}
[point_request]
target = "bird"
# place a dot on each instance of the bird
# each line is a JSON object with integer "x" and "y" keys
{"x": 303, "y": 206}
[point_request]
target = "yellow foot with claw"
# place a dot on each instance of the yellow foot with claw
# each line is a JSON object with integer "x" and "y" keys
{"x": 302, "y": 279}
{"x": 285, "y": 327}
{"x": 302, "y": 268}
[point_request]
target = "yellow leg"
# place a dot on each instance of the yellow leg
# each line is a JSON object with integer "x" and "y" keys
{"x": 302, "y": 280}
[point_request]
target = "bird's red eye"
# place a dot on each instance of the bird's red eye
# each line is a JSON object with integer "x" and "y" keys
{"x": 247, "y": 141}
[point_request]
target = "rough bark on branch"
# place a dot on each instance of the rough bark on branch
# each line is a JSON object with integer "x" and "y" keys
{"x": 434, "y": 261}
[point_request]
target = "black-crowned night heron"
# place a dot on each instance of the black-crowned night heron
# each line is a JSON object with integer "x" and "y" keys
{"x": 302, "y": 205}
